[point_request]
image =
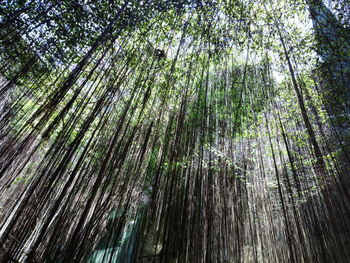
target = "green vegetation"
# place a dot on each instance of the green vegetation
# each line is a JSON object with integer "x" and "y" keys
{"x": 174, "y": 131}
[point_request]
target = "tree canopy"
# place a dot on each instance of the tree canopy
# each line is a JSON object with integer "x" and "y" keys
{"x": 174, "y": 131}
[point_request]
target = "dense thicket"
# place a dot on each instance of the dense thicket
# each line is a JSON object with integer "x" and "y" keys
{"x": 174, "y": 131}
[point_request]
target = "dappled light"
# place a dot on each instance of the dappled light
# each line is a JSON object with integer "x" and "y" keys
{"x": 175, "y": 131}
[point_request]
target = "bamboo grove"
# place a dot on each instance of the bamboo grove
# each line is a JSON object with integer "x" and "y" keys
{"x": 174, "y": 131}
